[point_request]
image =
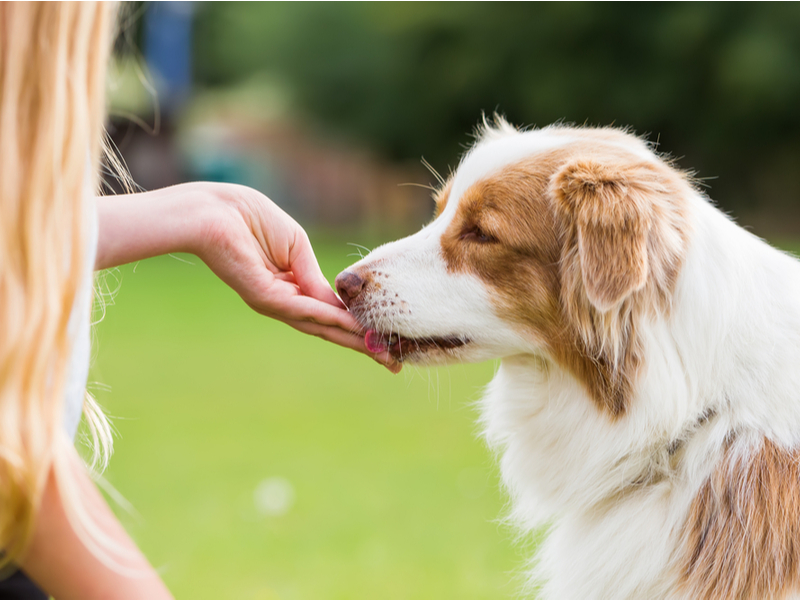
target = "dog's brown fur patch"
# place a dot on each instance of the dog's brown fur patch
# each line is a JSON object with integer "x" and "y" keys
{"x": 611, "y": 212}
{"x": 520, "y": 255}
{"x": 578, "y": 243}
{"x": 743, "y": 532}
{"x": 441, "y": 196}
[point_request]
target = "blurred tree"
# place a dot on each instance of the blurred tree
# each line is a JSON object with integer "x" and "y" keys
{"x": 718, "y": 83}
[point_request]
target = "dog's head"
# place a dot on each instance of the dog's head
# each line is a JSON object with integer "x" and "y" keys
{"x": 555, "y": 242}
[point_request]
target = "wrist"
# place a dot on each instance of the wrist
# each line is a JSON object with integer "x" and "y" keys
{"x": 211, "y": 206}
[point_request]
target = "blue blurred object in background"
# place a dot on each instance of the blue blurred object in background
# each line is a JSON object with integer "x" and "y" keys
{"x": 168, "y": 52}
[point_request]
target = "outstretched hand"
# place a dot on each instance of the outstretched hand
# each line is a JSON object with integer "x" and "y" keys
{"x": 266, "y": 257}
{"x": 250, "y": 243}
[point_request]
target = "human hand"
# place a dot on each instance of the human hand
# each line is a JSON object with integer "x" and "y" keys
{"x": 266, "y": 257}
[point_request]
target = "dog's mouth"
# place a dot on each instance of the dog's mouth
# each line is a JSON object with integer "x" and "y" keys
{"x": 401, "y": 347}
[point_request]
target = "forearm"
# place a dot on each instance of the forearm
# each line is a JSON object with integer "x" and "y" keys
{"x": 138, "y": 226}
{"x": 59, "y": 562}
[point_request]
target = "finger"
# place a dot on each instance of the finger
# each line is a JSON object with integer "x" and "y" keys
{"x": 304, "y": 308}
{"x": 346, "y": 340}
{"x": 307, "y": 273}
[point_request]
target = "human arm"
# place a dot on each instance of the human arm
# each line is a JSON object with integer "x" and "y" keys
{"x": 246, "y": 240}
{"x": 59, "y": 562}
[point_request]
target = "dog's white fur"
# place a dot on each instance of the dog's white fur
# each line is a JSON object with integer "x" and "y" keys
{"x": 721, "y": 373}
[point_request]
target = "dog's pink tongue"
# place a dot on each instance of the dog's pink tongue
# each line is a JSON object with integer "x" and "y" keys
{"x": 375, "y": 341}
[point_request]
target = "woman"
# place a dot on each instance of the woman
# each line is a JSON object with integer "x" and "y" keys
{"x": 53, "y": 522}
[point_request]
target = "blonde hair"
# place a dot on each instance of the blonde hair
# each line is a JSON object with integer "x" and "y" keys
{"x": 53, "y": 60}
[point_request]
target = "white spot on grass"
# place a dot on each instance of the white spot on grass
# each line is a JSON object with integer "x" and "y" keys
{"x": 274, "y": 497}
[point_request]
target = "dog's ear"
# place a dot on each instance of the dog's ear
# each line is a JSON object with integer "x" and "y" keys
{"x": 608, "y": 207}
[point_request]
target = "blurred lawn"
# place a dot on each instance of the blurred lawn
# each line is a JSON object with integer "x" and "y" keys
{"x": 394, "y": 495}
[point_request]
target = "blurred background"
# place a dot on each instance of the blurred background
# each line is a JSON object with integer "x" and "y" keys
{"x": 262, "y": 464}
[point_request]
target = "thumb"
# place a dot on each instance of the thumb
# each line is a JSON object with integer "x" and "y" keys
{"x": 303, "y": 264}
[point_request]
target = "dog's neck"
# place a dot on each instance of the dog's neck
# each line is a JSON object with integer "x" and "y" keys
{"x": 737, "y": 328}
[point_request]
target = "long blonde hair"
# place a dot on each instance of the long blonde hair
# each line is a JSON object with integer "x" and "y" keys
{"x": 53, "y": 60}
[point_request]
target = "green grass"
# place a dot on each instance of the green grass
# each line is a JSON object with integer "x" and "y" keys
{"x": 394, "y": 494}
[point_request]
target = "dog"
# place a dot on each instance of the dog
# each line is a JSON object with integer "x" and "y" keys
{"x": 646, "y": 410}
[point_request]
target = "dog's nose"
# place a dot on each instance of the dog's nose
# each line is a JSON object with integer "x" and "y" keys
{"x": 349, "y": 285}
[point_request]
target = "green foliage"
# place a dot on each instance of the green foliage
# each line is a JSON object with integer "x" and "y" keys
{"x": 395, "y": 497}
{"x": 718, "y": 83}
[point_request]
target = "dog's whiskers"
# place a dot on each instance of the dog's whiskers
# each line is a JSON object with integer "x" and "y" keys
{"x": 359, "y": 248}
{"x": 419, "y": 185}
{"x": 434, "y": 172}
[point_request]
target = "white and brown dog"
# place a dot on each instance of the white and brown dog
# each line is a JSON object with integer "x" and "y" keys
{"x": 647, "y": 407}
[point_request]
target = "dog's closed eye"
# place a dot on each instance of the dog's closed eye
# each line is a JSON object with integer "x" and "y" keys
{"x": 473, "y": 233}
